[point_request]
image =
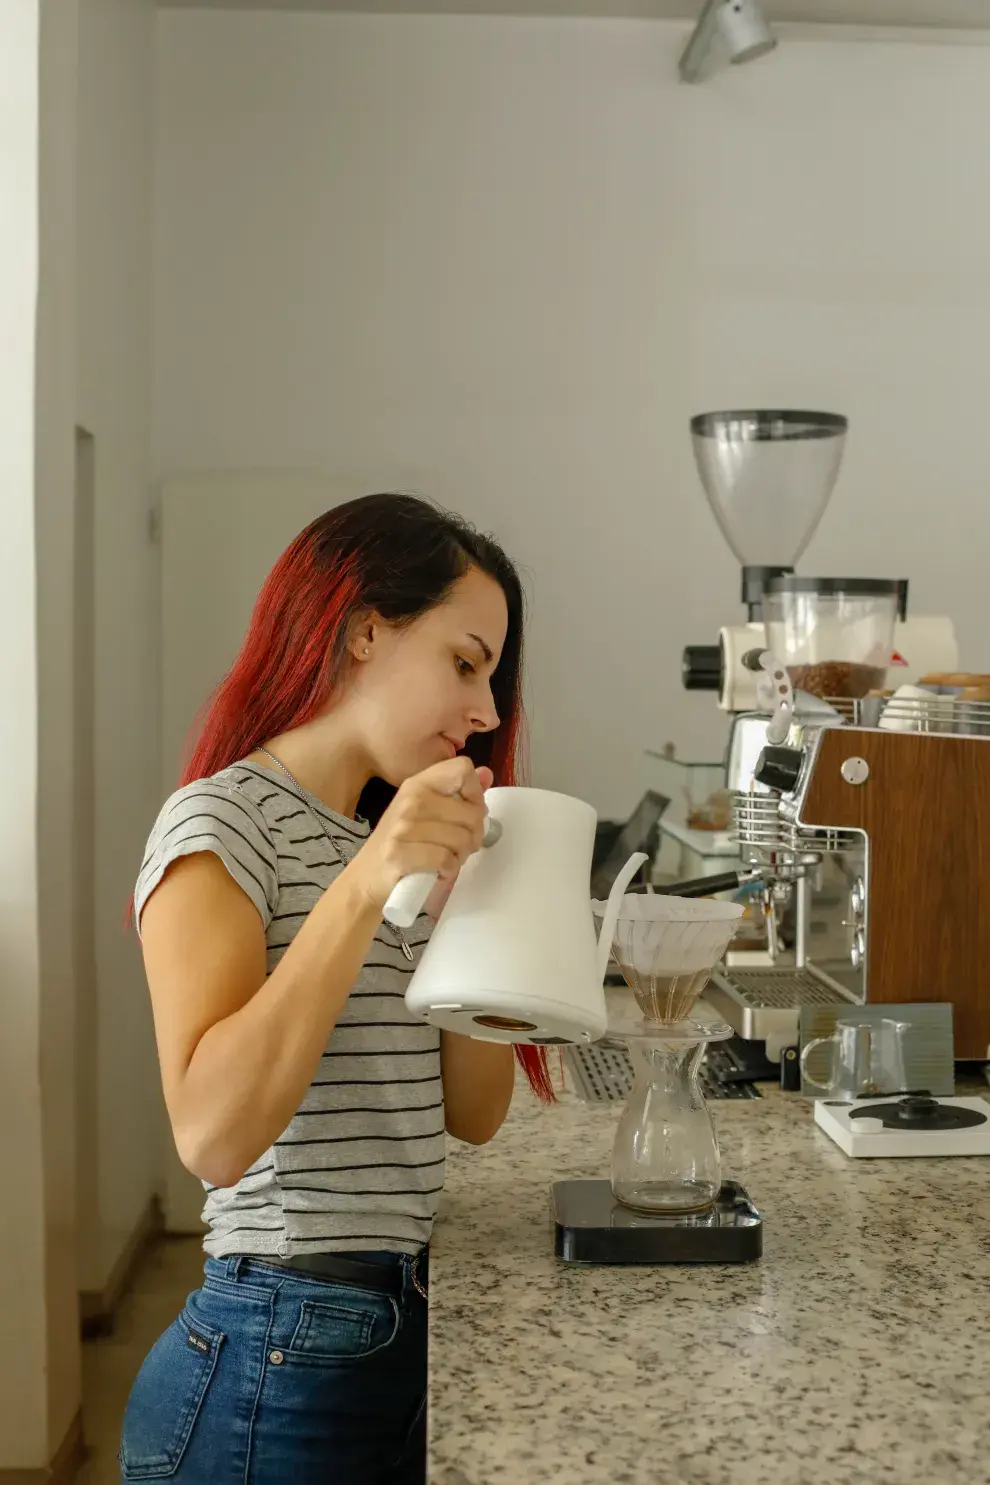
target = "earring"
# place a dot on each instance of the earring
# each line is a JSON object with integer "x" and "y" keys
{"x": 366, "y": 650}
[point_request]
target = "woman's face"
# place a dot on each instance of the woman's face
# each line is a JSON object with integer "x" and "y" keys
{"x": 423, "y": 689}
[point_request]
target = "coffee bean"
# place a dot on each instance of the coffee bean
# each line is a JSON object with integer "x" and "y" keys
{"x": 839, "y": 679}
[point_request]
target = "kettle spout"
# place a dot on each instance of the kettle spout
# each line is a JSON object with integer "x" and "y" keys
{"x": 612, "y": 907}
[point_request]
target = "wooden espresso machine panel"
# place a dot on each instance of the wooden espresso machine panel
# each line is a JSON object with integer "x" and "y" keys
{"x": 924, "y": 803}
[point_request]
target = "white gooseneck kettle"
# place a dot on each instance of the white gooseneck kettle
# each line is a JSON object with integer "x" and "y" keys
{"x": 514, "y": 956}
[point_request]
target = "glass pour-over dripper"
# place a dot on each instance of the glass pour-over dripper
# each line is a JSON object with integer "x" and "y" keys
{"x": 667, "y": 947}
{"x": 665, "y": 1157}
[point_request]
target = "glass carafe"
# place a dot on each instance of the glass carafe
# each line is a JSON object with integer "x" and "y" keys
{"x": 665, "y": 1158}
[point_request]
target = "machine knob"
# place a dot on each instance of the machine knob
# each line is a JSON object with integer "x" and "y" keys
{"x": 701, "y": 668}
{"x": 779, "y": 768}
{"x": 857, "y": 952}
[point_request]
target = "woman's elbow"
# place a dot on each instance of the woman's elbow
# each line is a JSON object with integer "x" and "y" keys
{"x": 207, "y": 1158}
{"x": 477, "y": 1130}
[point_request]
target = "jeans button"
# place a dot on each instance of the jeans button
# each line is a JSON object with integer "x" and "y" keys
{"x": 276, "y": 1358}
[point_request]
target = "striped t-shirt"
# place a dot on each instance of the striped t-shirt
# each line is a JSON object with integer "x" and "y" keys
{"x": 361, "y": 1164}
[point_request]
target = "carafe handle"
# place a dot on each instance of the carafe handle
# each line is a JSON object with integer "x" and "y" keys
{"x": 806, "y": 1051}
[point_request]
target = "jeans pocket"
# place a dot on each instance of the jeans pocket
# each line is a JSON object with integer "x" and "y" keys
{"x": 166, "y": 1399}
{"x": 357, "y": 1324}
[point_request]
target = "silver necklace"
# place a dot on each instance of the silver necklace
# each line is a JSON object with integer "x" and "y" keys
{"x": 346, "y": 855}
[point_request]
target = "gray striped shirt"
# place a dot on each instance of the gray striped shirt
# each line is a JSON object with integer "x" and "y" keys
{"x": 361, "y": 1164}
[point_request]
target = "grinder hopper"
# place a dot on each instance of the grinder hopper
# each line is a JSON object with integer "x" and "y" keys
{"x": 768, "y": 476}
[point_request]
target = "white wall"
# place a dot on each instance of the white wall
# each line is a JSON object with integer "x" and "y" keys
{"x": 40, "y": 1372}
{"x": 113, "y": 383}
{"x": 76, "y": 114}
{"x": 504, "y": 260}
{"x": 22, "y": 1409}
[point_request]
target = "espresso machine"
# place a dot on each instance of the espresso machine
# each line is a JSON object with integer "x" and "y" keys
{"x": 768, "y": 476}
{"x": 874, "y": 820}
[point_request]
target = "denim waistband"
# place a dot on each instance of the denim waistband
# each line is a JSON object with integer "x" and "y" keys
{"x": 411, "y": 1271}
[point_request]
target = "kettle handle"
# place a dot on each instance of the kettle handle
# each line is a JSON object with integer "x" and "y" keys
{"x": 610, "y": 916}
{"x": 408, "y": 897}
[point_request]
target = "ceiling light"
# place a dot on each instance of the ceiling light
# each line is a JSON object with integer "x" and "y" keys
{"x": 740, "y": 26}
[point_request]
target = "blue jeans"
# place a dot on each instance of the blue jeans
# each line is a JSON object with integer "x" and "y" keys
{"x": 271, "y": 1377}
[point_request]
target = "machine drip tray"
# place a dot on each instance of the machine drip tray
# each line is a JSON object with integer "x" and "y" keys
{"x": 764, "y": 1003}
{"x": 591, "y": 1227}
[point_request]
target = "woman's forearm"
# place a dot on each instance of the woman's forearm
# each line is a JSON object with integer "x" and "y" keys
{"x": 250, "y": 1071}
{"x": 478, "y": 1079}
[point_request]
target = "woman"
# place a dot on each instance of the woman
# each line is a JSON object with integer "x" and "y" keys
{"x": 376, "y": 695}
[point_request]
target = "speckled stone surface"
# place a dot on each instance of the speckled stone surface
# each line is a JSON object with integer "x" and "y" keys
{"x": 856, "y": 1351}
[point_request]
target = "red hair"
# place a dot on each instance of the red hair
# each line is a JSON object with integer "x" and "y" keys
{"x": 393, "y": 555}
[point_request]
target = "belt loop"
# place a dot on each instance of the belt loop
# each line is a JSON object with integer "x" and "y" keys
{"x": 234, "y": 1267}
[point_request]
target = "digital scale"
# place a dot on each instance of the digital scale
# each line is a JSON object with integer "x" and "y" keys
{"x": 590, "y": 1226}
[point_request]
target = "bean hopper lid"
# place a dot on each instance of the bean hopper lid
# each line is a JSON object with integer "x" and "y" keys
{"x": 768, "y": 476}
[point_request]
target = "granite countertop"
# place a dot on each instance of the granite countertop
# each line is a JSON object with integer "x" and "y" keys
{"x": 856, "y": 1351}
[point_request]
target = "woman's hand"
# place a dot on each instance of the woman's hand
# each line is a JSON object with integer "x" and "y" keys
{"x": 434, "y": 823}
{"x": 437, "y": 900}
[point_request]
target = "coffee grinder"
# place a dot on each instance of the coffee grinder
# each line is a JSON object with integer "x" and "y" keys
{"x": 768, "y": 476}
